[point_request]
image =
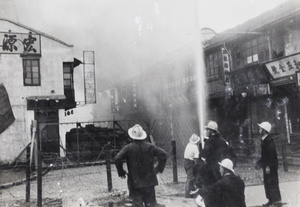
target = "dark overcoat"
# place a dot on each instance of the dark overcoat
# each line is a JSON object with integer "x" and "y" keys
{"x": 269, "y": 159}
{"x": 226, "y": 192}
{"x": 140, "y": 157}
{"x": 215, "y": 150}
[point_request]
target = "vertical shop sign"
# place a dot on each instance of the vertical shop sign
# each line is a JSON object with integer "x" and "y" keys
{"x": 89, "y": 77}
{"x": 6, "y": 113}
{"x": 298, "y": 78}
{"x": 225, "y": 57}
{"x": 226, "y": 68}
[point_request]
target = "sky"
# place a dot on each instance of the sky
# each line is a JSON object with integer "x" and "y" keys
{"x": 128, "y": 36}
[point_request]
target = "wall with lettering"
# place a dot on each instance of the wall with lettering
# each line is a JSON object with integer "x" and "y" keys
{"x": 52, "y": 55}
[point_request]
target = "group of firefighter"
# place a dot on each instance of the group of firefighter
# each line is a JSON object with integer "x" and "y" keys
{"x": 211, "y": 178}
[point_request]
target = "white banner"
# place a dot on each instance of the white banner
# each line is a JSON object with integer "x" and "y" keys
{"x": 89, "y": 77}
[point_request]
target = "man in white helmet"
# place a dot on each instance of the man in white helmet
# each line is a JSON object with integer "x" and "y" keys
{"x": 141, "y": 157}
{"x": 269, "y": 164}
{"x": 215, "y": 149}
{"x": 229, "y": 191}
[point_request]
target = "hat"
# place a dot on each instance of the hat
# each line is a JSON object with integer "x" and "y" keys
{"x": 137, "y": 132}
{"x": 265, "y": 126}
{"x": 194, "y": 139}
{"x": 227, "y": 163}
{"x": 213, "y": 126}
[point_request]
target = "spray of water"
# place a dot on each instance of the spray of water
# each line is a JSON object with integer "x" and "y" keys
{"x": 201, "y": 80}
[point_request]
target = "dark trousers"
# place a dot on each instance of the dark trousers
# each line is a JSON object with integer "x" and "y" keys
{"x": 271, "y": 185}
{"x": 190, "y": 179}
{"x": 143, "y": 197}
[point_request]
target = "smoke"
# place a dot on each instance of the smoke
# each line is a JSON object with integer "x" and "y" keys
{"x": 129, "y": 37}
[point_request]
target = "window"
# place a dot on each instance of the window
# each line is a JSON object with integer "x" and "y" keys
{"x": 252, "y": 51}
{"x": 68, "y": 75}
{"x": 31, "y": 71}
{"x": 213, "y": 64}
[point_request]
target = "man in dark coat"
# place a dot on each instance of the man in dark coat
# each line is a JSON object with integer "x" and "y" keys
{"x": 229, "y": 191}
{"x": 269, "y": 164}
{"x": 141, "y": 156}
{"x": 215, "y": 149}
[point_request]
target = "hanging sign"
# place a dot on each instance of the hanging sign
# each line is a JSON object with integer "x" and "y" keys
{"x": 284, "y": 67}
{"x": 225, "y": 57}
{"x": 20, "y": 43}
{"x": 298, "y": 78}
{"x": 89, "y": 77}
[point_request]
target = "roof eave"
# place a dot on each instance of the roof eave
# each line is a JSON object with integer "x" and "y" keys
{"x": 38, "y": 32}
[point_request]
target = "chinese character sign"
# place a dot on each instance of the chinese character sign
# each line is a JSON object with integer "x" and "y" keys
{"x": 284, "y": 67}
{"x": 225, "y": 57}
{"x": 89, "y": 77}
{"x": 20, "y": 43}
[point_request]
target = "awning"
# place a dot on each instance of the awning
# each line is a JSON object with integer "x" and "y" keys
{"x": 46, "y": 102}
{"x": 47, "y": 98}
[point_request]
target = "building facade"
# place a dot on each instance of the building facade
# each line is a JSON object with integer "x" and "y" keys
{"x": 36, "y": 75}
{"x": 253, "y": 76}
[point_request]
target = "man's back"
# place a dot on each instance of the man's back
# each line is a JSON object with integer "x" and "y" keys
{"x": 233, "y": 191}
{"x": 140, "y": 157}
{"x": 226, "y": 192}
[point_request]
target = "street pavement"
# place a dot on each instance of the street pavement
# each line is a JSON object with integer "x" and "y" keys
{"x": 255, "y": 196}
{"x": 87, "y": 186}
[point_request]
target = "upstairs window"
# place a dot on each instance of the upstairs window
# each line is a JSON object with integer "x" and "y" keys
{"x": 252, "y": 51}
{"x": 68, "y": 75}
{"x": 213, "y": 66}
{"x": 31, "y": 72}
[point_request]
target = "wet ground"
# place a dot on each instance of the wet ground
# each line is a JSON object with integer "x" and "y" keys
{"x": 87, "y": 186}
{"x": 11, "y": 175}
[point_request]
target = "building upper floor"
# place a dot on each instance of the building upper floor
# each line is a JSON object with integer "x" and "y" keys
{"x": 36, "y": 66}
{"x": 262, "y": 50}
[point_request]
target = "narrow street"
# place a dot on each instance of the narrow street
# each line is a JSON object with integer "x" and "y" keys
{"x": 70, "y": 187}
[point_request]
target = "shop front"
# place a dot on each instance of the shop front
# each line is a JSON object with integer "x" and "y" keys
{"x": 285, "y": 83}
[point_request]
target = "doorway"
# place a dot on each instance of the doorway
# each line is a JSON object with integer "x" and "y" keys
{"x": 48, "y": 131}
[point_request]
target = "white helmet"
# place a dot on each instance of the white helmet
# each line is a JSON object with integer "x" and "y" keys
{"x": 227, "y": 163}
{"x": 213, "y": 126}
{"x": 266, "y": 126}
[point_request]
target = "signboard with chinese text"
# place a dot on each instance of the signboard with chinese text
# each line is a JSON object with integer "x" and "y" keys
{"x": 89, "y": 77}
{"x": 20, "y": 43}
{"x": 284, "y": 67}
{"x": 226, "y": 66}
{"x": 261, "y": 89}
